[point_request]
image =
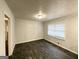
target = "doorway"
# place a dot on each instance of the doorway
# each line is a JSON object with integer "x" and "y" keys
{"x": 6, "y": 19}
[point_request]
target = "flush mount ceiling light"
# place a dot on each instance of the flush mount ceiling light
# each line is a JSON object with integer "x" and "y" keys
{"x": 40, "y": 15}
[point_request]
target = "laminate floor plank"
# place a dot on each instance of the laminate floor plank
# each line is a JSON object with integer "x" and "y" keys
{"x": 39, "y": 50}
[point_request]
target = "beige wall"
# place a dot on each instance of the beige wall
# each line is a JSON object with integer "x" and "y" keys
{"x": 5, "y": 10}
{"x": 28, "y": 30}
{"x": 70, "y": 41}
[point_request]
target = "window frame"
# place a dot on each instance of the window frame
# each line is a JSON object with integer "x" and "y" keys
{"x": 54, "y": 36}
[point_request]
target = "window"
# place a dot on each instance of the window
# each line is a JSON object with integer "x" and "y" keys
{"x": 56, "y": 30}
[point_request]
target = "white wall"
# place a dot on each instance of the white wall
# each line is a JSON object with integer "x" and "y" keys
{"x": 28, "y": 30}
{"x": 70, "y": 41}
{"x": 4, "y": 9}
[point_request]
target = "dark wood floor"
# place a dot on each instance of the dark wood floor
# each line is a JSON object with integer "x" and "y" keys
{"x": 40, "y": 49}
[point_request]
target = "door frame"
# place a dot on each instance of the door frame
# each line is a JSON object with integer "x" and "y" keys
{"x": 6, "y": 18}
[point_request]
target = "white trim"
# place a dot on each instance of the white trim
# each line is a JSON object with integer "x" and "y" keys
{"x": 64, "y": 47}
{"x": 26, "y": 41}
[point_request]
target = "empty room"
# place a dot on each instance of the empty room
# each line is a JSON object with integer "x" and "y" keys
{"x": 38, "y": 29}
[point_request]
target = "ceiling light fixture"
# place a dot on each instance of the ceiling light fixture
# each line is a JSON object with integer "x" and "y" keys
{"x": 40, "y": 15}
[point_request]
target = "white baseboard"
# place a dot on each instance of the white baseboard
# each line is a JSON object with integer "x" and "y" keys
{"x": 27, "y": 41}
{"x": 64, "y": 47}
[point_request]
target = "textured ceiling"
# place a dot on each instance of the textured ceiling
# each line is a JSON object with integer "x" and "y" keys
{"x": 26, "y": 9}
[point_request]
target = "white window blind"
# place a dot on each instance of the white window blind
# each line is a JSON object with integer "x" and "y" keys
{"x": 56, "y": 30}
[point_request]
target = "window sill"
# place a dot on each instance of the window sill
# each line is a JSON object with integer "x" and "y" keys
{"x": 56, "y": 37}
